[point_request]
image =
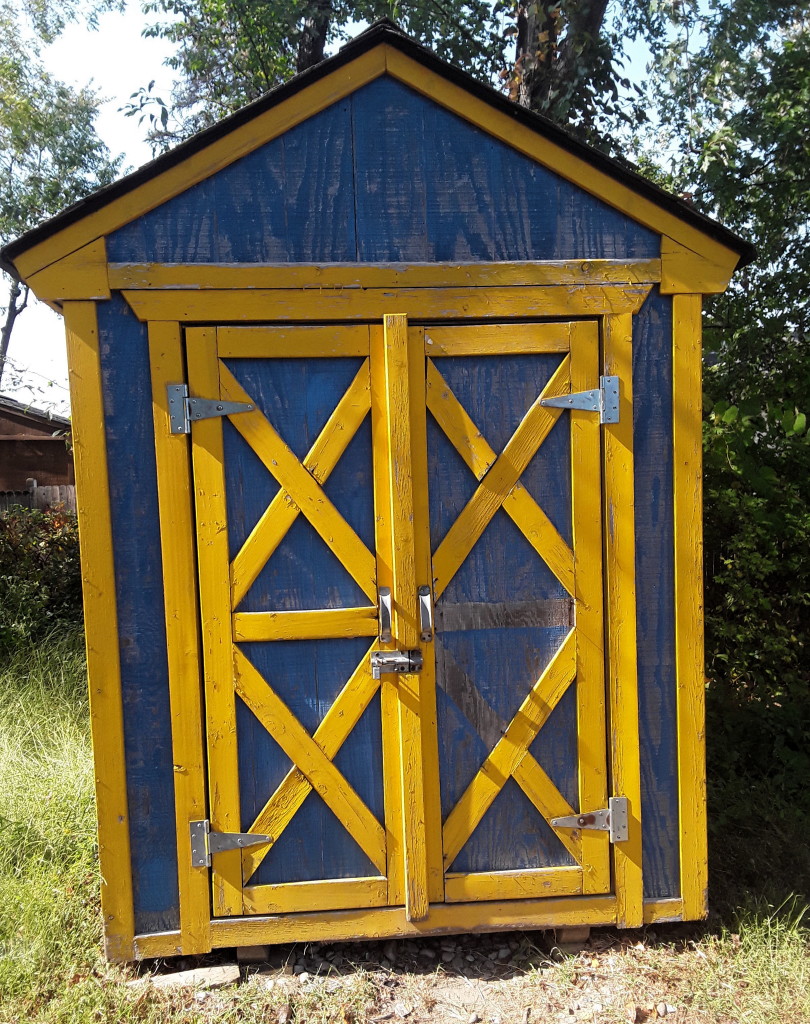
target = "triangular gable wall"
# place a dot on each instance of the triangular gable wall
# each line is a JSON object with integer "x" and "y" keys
{"x": 383, "y": 175}
{"x": 685, "y": 234}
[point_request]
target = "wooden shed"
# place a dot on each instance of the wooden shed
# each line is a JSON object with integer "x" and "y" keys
{"x": 386, "y": 405}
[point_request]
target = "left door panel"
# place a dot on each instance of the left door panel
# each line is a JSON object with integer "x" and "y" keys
{"x": 288, "y": 590}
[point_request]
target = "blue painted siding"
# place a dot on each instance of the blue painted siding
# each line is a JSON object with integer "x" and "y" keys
{"x": 384, "y": 175}
{"x": 297, "y": 396}
{"x": 139, "y": 595}
{"x": 655, "y": 594}
{"x": 498, "y": 666}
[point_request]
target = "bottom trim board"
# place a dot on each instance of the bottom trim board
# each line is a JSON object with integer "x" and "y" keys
{"x": 390, "y": 923}
{"x": 663, "y": 911}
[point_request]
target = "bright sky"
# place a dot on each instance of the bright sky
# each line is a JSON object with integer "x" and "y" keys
{"x": 118, "y": 61}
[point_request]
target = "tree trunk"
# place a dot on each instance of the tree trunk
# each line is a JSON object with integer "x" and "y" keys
{"x": 313, "y": 37}
{"x": 553, "y": 39}
{"x": 15, "y": 307}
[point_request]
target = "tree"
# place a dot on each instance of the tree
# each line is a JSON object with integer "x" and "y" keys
{"x": 734, "y": 103}
{"x": 50, "y": 155}
{"x": 230, "y": 52}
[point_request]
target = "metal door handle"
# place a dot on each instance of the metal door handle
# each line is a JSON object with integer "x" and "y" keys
{"x": 425, "y": 614}
{"x": 384, "y": 610}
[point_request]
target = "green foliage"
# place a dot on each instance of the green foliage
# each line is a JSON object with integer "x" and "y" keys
{"x": 229, "y": 52}
{"x": 40, "y": 579}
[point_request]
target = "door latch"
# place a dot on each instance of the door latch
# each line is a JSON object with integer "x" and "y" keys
{"x": 184, "y": 410}
{"x": 388, "y": 662}
{"x": 614, "y": 819}
{"x": 604, "y": 400}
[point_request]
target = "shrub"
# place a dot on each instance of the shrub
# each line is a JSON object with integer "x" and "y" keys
{"x": 40, "y": 579}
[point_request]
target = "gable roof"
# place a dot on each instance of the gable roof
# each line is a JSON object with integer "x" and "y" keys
{"x": 38, "y": 247}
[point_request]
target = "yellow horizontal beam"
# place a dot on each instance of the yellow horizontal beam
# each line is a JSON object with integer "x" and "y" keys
{"x": 386, "y": 275}
{"x": 662, "y": 911}
{"x": 374, "y": 303}
{"x": 305, "y": 625}
{"x": 299, "y": 342}
{"x": 497, "y": 339}
{"x": 391, "y": 923}
{"x": 334, "y": 894}
{"x": 513, "y": 885}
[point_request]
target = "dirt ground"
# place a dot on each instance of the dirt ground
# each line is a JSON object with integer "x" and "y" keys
{"x": 507, "y": 978}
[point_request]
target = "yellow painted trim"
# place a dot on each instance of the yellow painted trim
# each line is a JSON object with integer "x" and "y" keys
{"x": 500, "y": 480}
{"x": 79, "y": 275}
{"x": 444, "y": 918}
{"x": 308, "y": 756}
{"x": 689, "y": 668}
{"x": 510, "y": 749}
{"x": 663, "y": 911}
{"x": 158, "y": 944}
{"x": 206, "y": 162}
{"x": 215, "y": 610}
{"x": 569, "y": 166}
{"x": 398, "y": 355}
{"x": 101, "y": 627}
{"x": 304, "y": 625}
{"x": 428, "y": 718}
{"x": 374, "y": 303}
{"x": 319, "y": 95}
{"x": 175, "y": 504}
{"x": 586, "y": 503}
{"x": 336, "y": 725}
{"x": 335, "y": 894}
{"x": 513, "y": 885}
{"x": 153, "y": 276}
{"x": 299, "y": 342}
{"x": 301, "y": 485}
{"x": 470, "y": 443}
{"x": 683, "y": 270}
{"x": 538, "y": 787}
{"x": 389, "y": 696}
{"x": 620, "y": 564}
{"x": 497, "y": 339}
{"x": 320, "y": 460}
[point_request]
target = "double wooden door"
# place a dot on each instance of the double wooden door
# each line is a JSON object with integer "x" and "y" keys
{"x": 416, "y": 466}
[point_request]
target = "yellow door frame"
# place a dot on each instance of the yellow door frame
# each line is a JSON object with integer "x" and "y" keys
{"x": 613, "y": 304}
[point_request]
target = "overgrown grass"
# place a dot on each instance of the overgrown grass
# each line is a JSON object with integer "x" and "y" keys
{"x": 749, "y": 964}
{"x": 49, "y": 921}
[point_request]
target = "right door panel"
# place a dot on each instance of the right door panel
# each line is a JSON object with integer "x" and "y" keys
{"x": 515, "y": 501}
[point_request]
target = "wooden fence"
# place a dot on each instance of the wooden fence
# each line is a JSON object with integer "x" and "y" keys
{"x": 35, "y": 496}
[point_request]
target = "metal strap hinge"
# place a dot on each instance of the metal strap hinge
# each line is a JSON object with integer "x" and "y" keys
{"x": 615, "y": 819}
{"x": 604, "y": 400}
{"x": 205, "y": 843}
{"x": 184, "y": 410}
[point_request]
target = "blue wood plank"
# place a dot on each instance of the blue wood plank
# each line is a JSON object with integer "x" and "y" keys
{"x": 308, "y": 675}
{"x": 139, "y": 594}
{"x": 486, "y": 670}
{"x": 385, "y": 175}
{"x": 298, "y": 396}
{"x": 291, "y": 199}
{"x": 655, "y": 595}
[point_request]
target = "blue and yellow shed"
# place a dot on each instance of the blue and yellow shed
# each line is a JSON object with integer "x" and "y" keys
{"x": 387, "y": 420}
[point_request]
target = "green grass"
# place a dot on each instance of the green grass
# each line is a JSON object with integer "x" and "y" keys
{"x": 747, "y": 965}
{"x": 49, "y": 919}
